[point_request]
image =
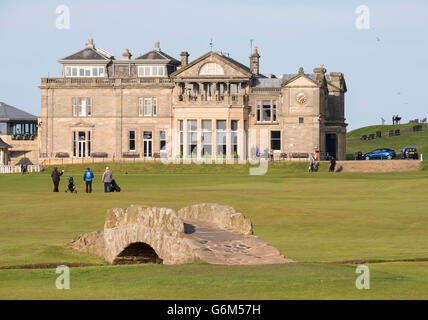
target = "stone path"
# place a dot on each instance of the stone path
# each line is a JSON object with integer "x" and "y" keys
{"x": 219, "y": 246}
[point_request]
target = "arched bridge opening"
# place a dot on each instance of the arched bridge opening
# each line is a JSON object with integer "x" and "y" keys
{"x": 137, "y": 253}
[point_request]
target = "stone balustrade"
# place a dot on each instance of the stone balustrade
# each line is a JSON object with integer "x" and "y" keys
{"x": 103, "y": 82}
{"x": 214, "y": 99}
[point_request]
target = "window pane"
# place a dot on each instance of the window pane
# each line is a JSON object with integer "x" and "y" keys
{"x": 81, "y": 72}
{"x": 275, "y": 134}
{"x": 131, "y": 140}
{"x": 154, "y": 106}
{"x": 234, "y": 125}
{"x": 101, "y": 71}
{"x": 154, "y": 71}
{"x": 67, "y": 71}
{"x": 192, "y": 125}
{"x": 206, "y": 125}
{"x": 181, "y": 125}
{"x": 274, "y": 111}
{"x": 221, "y": 125}
{"x": 148, "y": 107}
{"x": 147, "y": 71}
{"x": 95, "y": 72}
{"x": 87, "y": 72}
{"x": 74, "y": 72}
{"x": 266, "y": 111}
{"x": 160, "y": 71}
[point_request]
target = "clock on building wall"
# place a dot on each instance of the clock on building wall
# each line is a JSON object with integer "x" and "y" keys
{"x": 301, "y": 98}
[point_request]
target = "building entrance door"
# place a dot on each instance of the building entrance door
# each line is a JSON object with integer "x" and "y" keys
{"x": 81, "y": 152}
{"x": 147, "y": 144}
{"x": 331, "y": 144}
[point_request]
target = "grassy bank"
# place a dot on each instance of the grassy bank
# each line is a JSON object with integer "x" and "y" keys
{"x": 310, "y": 218}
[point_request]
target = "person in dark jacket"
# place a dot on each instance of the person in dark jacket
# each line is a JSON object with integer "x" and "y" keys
{"x": 332, "y": 164}
{"x": 88, "y": 176}
{"x": 56, "y": 178}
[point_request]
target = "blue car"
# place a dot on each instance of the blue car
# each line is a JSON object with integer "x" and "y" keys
{"x": 384, "y": 153}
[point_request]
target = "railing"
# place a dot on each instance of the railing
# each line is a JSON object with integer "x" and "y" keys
{"x": 17, "y": 169}
{"x": 265, "y": 89}
{"x": 106, "y": 81}
{"x": 214, "y": 99}
{"x": 23, "y": 136}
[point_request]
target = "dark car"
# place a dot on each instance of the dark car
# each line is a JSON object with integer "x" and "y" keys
{"x": 409, "y": 153}
{"x": 383, "y": 153}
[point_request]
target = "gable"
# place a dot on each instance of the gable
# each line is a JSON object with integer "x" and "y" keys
{"x": 158, "y": 55}
{"x": 300, "y": 80}
{"x": 86, "y": 54}
{"x": 213, "y": 65}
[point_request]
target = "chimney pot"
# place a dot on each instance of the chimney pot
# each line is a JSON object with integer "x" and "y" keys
{"x": 157, "y": 45}
{"x": 127, "y": 55}
{"x": 184, "y": 58}
{"x": 254, "y": 61}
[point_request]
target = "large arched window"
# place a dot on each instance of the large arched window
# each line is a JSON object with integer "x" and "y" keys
{"x": 211, "y": 69}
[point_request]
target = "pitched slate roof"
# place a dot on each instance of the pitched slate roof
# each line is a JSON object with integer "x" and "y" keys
{"x": 261, "y": 82}
{"x": 87, "y": 54}
{"x": 157, "y": 55}
{"x": 4, "y": 144}
{"x": 9, "y": 113}
{"x": 236, "y": 63}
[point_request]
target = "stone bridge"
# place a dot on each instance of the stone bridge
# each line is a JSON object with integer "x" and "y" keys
{"x": 213, "y": 233}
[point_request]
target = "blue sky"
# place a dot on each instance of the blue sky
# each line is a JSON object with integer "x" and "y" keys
{"x": 385, "y": 67}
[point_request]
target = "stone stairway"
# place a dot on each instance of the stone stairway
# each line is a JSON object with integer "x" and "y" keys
{"x": 219, "y": 246}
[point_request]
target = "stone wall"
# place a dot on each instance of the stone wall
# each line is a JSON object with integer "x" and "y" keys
{"x": 223, "y": 216}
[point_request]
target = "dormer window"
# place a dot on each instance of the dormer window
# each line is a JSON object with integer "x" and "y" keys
{"x": 84, "y": 71}
{"x": 151, "y": 71}
{"x": 211, "y": 69}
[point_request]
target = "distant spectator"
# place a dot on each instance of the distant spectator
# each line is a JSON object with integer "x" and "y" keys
{"x": 107, "y": 178}
{"x": 312, "y": 164}
{"x": 56, "y": 178}
{"x": 88, "y": 177}
{"x": 332, "y": 164}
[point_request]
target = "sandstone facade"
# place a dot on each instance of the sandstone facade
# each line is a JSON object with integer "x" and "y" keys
{"x": 213, "y": 107}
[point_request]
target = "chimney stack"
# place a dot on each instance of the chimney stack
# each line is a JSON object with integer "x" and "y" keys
{"x": 320, "y": 72}
{"x": 184, "y": 59}
{"x": 157, "y": 45}
{"x": 254, "y": 61}
{"x": 91, "y": 43}
{"x": 126, "y": 55}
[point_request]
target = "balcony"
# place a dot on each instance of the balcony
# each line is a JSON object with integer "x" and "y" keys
{"x": 105, "y": 82}
{"x": 215, "y": 99}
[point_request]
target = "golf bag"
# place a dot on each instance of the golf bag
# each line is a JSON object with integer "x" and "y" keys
{"x": 71, "y": 186}
{"x": 114, "y": 187}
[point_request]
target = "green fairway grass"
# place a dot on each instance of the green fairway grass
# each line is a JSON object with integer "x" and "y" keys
{"x": 312, "y": 218}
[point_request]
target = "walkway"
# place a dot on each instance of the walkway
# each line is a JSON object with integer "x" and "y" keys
{"x": 219, "y": 246}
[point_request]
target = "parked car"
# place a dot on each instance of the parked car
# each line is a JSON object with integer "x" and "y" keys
{"x": 409, "y": 153}
{"x": 384, "y": 153}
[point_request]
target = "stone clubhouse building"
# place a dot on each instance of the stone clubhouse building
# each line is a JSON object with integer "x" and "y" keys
{"x": 155, "y": 106}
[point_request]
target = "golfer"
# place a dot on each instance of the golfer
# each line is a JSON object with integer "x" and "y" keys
{"x": 56, "y": 178}
{"x": 88, "y": 177}
{"x": 107, "y": 178}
